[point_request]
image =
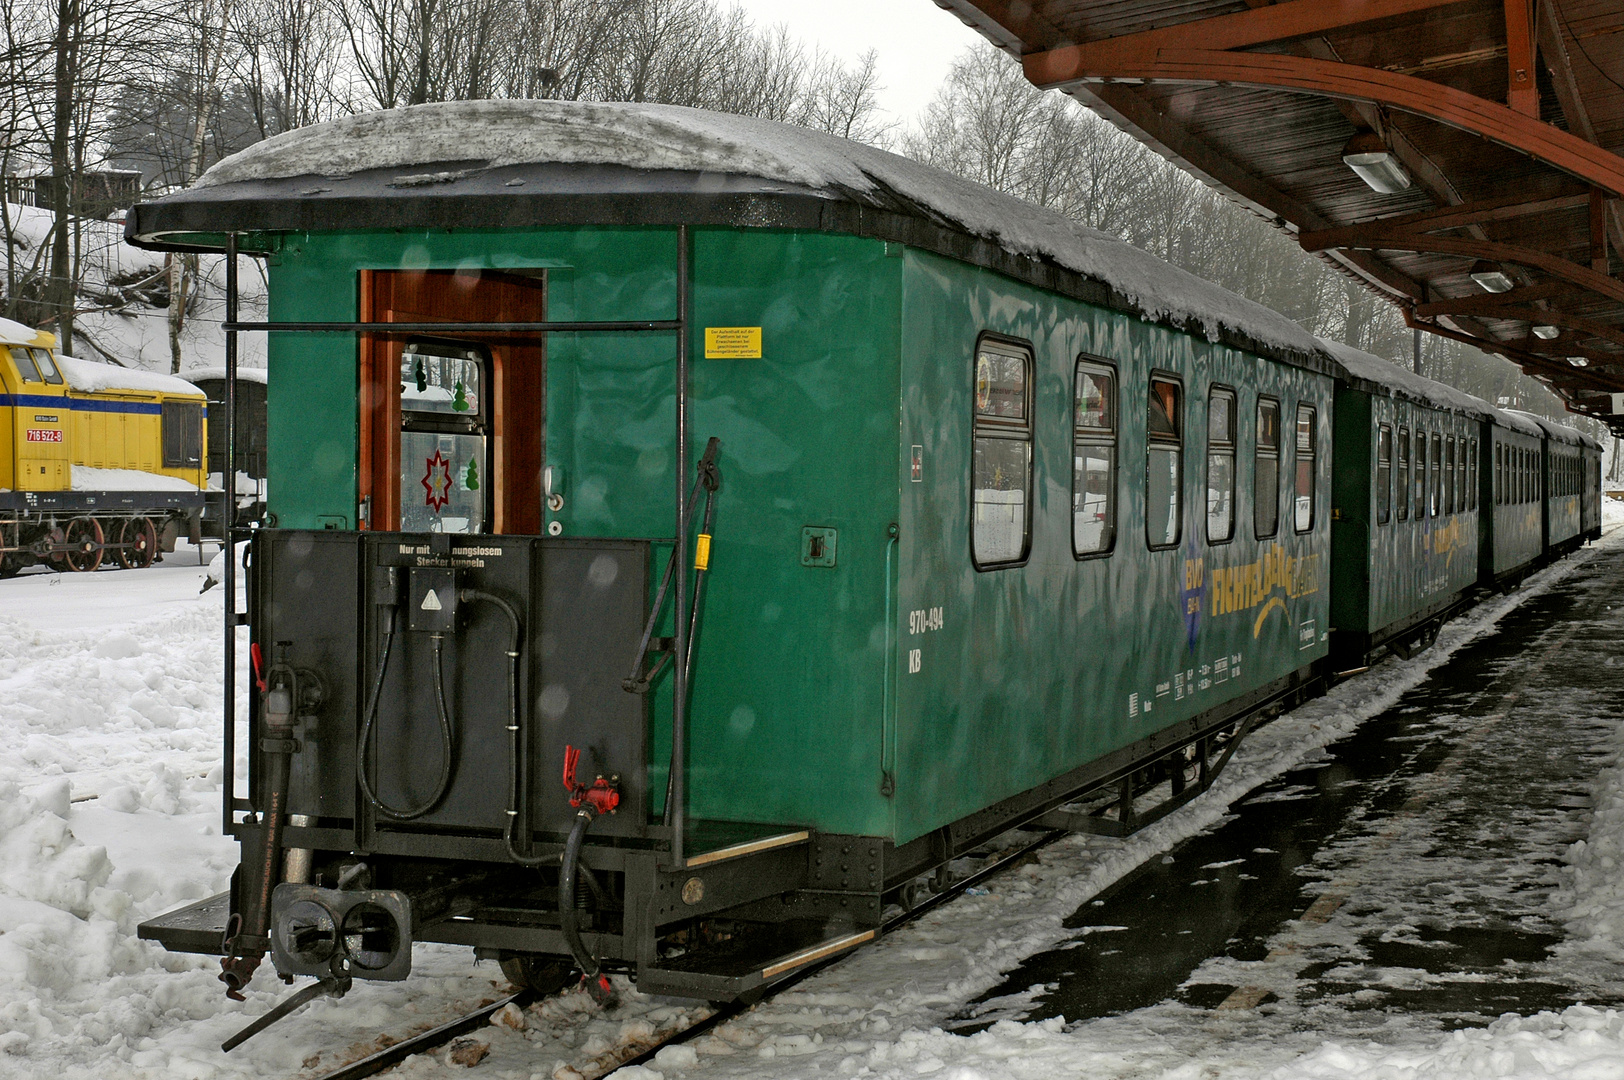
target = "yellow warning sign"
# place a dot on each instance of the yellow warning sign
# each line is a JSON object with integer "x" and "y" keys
{"x": 732, "y": 343}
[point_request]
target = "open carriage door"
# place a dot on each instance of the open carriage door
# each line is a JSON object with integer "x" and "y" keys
{"x": 451, "y": 425}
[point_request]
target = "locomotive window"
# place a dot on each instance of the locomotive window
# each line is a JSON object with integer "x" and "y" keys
{"x": 1266, "y": 470}
{"x": 1384, "y": 474}
{"x": 1303, "y": 505}
{"x": 1450, "y": 475}
{"x": 1220, "y": 466}
{"x": 1001, "y": 473}
{"x": 1164, "y": 462}
{"x": 1435, "y": 474}
{"x": 25, "y": 364}
{"x": 1403, "y": 499}
{"x": 47, "y": 366}
{"x": 182, "y": 432}
{"x": 1093, "y": 471}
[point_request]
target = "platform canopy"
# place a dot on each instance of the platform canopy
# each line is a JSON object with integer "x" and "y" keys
{"x": 1486, "y": 133}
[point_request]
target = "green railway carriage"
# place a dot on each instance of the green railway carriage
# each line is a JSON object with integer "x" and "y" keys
{"x": 989, "y": 512}
{"x": 1408, "y": 502}
{"x": 1513, "y": 537}
{"x": 1565, "y": 454}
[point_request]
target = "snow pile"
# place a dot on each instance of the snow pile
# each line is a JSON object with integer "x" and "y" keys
{"x": 670, "y": 137}
{"x": 91, "y": 377}
{"x": 1594, "y": 894}
{"x": 244, "y": 374}
{"x": 89, "y": 478}
{"x": 1580, "y": 1042}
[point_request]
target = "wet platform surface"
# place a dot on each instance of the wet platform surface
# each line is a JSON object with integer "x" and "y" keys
{"x": 1412, "y": 868}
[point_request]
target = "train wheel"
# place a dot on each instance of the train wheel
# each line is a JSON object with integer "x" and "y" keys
{"x": 83, "y": 538}
{"x": 543, "y": 974}
{"x": 138, "y": 543}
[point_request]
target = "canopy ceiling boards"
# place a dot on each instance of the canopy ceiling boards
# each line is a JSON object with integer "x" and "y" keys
{"x": 1498, "y": 123}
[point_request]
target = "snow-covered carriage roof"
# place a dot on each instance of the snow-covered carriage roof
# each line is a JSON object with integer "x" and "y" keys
{"x": 513, "y": 163}
{"x": 1401, "y": 381}
{"x": 1560, "y": 432}
{"x": 244, "y": 374}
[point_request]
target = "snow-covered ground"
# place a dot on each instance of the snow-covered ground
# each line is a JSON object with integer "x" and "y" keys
{"x": 109, "y": 687}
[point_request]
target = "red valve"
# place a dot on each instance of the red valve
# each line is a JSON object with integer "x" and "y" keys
{"x": 601, "y": 793}
{"x": 258, "y": 660}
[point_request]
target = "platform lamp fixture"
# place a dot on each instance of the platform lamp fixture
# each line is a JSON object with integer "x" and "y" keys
{"x": 1547, "y": 333}
{"x": 1368, "y": 156}
{"x": 1490, "y": 276}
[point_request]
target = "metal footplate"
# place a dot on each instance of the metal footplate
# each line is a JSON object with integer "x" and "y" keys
{"x": 720, "y": 987}
{"x": 196, "y": 928}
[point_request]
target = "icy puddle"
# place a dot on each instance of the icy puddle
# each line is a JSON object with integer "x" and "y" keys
{"x": 1414, "y": 867}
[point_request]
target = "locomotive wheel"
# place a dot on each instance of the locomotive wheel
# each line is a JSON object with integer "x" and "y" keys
{"x": 83, "y": 538}
{"x": 137, "y": 543}
{"x": 543, "y": 974}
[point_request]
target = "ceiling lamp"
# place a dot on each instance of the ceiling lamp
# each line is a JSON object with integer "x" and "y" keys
{"x": 1376, "y": 165}
{"x": 1490, "y": 276}
{"x": 1578, "y": 361}
{"x": 1544, "y": 333}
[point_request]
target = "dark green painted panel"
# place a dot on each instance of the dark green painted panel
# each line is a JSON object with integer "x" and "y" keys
{"x": 1041, "y": 668}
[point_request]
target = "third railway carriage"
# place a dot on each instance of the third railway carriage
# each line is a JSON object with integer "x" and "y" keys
{"x": 690, "y": 531}
{"x": 1408, "y": 504}
{"x": 1567, "y": 458}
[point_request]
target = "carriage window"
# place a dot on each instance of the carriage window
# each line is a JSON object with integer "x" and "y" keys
{"x": 1418, "y": 490}
{"x": 1450, "y": 475}
{"x": 1303, "y": 505}
{"x": 1384, "y": 474}
{"x": 1471, "y": 476}
{"x": 1435, "y": 476}
{"x": 1093, "y": 475}
{"x": 182, "y": 433}
{"x": 1002, "y": 449}
{"x": 1499, "y": 473}
{"x": 1220, "y": 466}
{"x": 444, "y": 439}
{"x": 1403, "y": 492}
{"x": 1164, "y": 462}
{"x": 1266, "y": 469}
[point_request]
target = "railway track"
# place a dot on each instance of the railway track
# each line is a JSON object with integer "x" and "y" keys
{"x": 439, "y": 1036}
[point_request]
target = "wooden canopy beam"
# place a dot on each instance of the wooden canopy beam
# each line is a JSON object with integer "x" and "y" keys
{"x": 1533, "y": 316}
{"x": 1445, "y": 104}
{"x": 1505, "y": 208}
{"x": 1555, "y": 265}
{"x": 1489, "y": 302}
{"x": 1258, "y": 26}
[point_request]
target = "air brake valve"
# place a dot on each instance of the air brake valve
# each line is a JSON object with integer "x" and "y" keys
{"x": 602, "y": 795}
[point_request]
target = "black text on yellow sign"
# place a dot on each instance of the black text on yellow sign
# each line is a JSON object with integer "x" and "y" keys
{"x": 733, "y": 343}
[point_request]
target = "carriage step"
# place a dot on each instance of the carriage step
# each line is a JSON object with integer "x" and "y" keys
{"x": 199, "y": 927}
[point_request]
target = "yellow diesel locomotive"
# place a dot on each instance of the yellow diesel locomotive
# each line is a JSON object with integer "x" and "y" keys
{"x": 96, "y": 461}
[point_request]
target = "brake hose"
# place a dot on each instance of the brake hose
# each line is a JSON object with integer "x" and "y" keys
{"x": 592, "y": 977}
{"x": 447, "y": 745}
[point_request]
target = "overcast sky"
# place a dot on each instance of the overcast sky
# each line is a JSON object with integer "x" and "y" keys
{"x": 916, "y": 40}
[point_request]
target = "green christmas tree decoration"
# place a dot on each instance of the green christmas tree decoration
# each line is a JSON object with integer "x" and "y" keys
{"x": 459, "y": 403}
{"x": 470, "y": 479}
{"x": 422, "y": 377}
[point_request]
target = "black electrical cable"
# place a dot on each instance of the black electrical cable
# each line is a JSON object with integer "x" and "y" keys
{"x": 447, "y": 743}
